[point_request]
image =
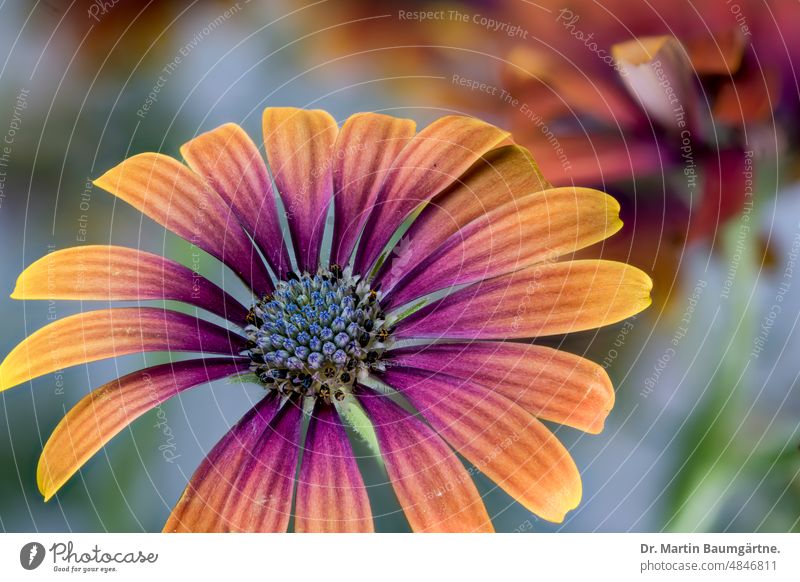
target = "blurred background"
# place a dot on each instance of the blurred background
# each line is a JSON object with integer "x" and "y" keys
{"x": 687, "y": 111}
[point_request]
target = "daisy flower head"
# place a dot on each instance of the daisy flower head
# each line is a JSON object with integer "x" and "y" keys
{"x": 448, "y": 253}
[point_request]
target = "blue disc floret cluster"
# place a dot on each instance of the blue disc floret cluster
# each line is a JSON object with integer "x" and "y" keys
{"x": 317, "y": 333}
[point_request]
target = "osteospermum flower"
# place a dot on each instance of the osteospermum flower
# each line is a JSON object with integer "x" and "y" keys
{"x": 675, "y": 95}
{"x": 360, "y": 325}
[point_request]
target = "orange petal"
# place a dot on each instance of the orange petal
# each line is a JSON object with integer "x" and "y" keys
{"x": 501, "y": 176}
{"x": 541, "y": 300}
{"x": 502, "y": 440}
{"x": 231, "y": 163}
{"x": 432, "y": 160}
{"x": 181, "y": 201}
{"x": 366, "y": 148}
{"x": 245, "y": 483}
{"x": 534, "y": 228}
{"x": 717, "y": 54}
{"x": 109, "y": 333}
{"x": 101, "y": 415}
{"x": 595, "y": 158}
{"x": 550, "y": 384}
{"x": 436, "y": 492}
{"x": 299, "y": 149}
{"x": 111, "y": 273}
{"x": 330, "y": 493}
{"x": 748, "y": 97}
{"x": 552, "y": 86}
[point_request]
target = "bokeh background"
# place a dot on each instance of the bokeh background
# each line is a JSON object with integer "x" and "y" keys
{"x": 688, "y": 111}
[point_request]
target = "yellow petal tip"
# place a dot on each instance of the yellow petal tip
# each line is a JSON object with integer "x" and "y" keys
{"x": 101, "y": 181}
{"x": 4, "y": 384}
{"x": 639, "y": 50}
{"x": 648, "y": 290}
{"x": 18, "y": 292}
{"x": 44, "y": 483}
{"x": 570, "y": 504}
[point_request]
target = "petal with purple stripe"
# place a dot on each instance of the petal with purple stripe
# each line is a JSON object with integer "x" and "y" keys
{"x": 102, "y": 414}
{"x": 231, "y": 163}
{"x": 545, "y": 299}
{"x": 110, "y": 333}
{"x": 436, "y": 492}
{"x": 181, "y": 201}
{"x": 299, "y": 150}
{"x": 430, "y": 162}
{"x": 331, "y": 496}
{"x": 365, "y": 150}
{"x": 539, "y": 227}
{"x": 499, "y": 177}
{"x": 245, "y": 483}
{"x": 111, "y": 273}
{"x": 506, "y": 443}
{"x": 549, "y": 383}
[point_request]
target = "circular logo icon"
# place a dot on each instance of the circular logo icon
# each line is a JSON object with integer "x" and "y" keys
{"x": 31, "y": 555}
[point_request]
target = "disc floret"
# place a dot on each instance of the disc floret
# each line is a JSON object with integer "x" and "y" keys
{"x": 316, "y": 334}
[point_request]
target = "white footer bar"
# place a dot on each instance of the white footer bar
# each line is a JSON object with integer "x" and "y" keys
{"x": 411, "y": 558}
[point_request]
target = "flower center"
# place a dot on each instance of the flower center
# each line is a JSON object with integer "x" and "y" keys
{"x": 316, "y": 334}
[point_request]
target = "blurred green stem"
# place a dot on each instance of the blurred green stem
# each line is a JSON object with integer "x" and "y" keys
{"x": 711, "y": 458}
